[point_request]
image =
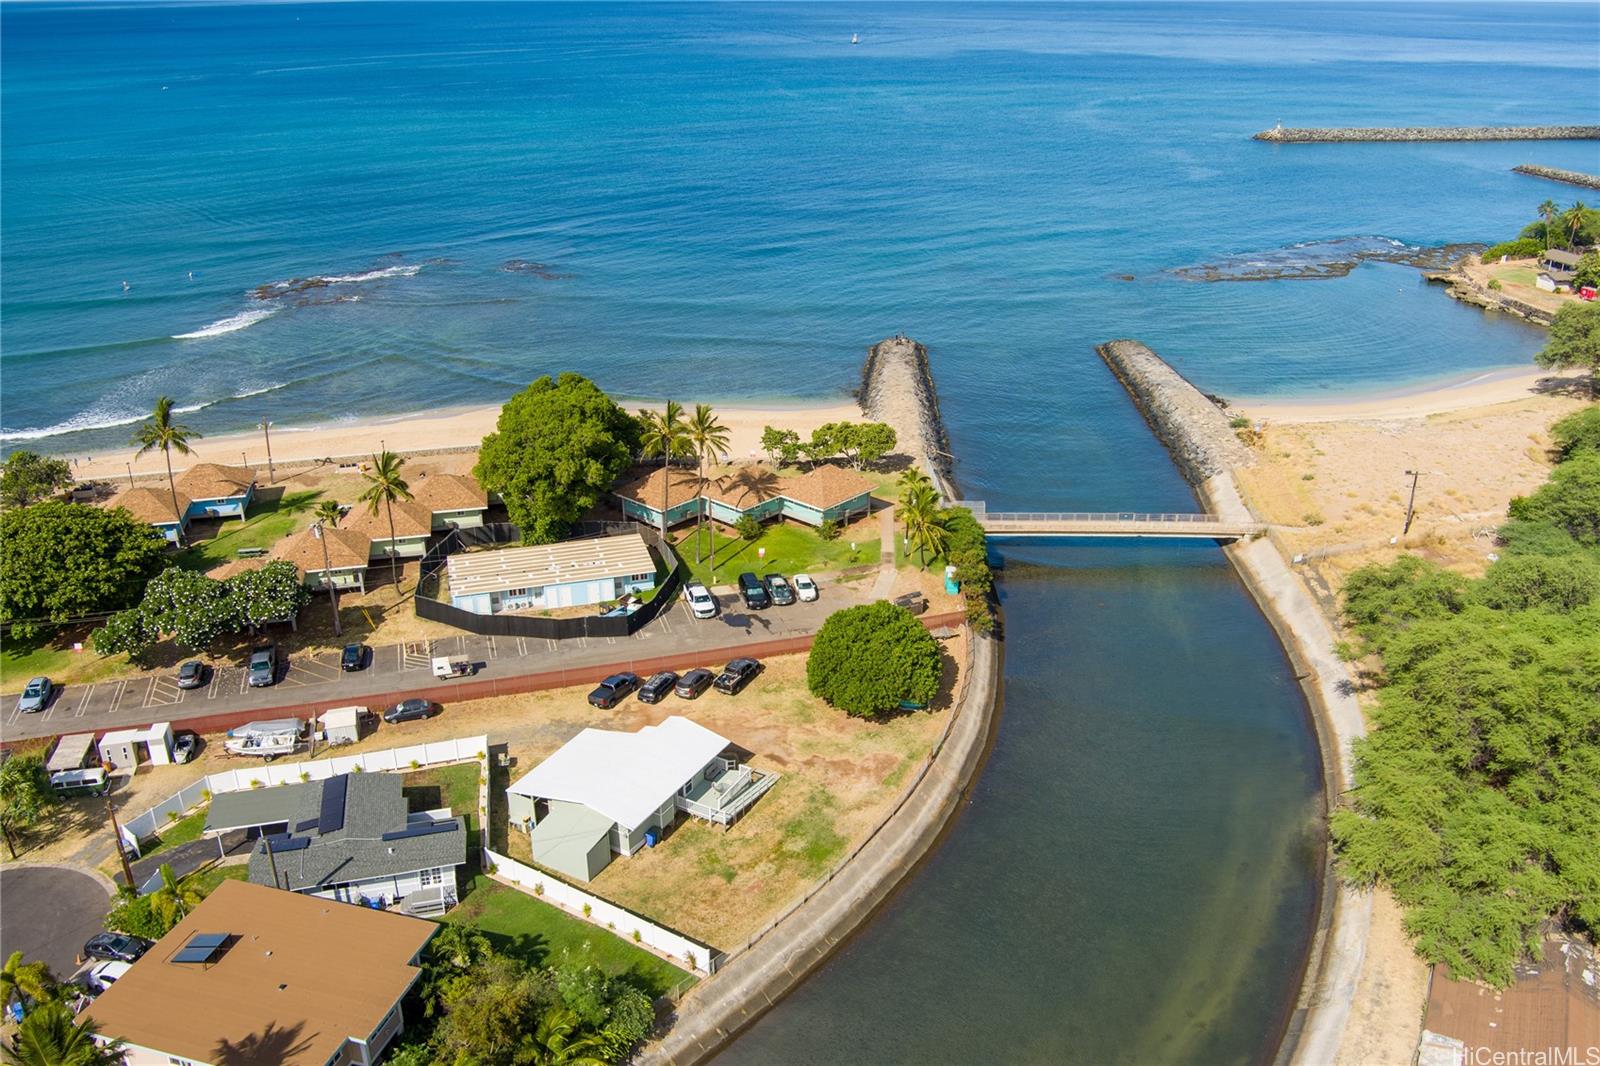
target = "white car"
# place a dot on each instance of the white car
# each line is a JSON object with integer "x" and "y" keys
{"x": 805, "y": 588}
{"x": 701, "y": 603}
{"x": 102, "y": 975}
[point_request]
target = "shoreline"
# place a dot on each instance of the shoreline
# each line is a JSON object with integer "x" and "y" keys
{"x": 458, "y": 429}
{"x": 1480, "y": 389}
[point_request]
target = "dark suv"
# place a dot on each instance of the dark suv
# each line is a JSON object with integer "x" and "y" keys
{"x": 658, "y": 688}
{"x": 613, "y": 690}
{"x": 753, "y": 592}
{"x": 737, "y": 675}
{"x": 779, "y": 589}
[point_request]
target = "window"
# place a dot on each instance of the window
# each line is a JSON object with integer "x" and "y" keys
{"x": 688, "y": 787}
{"x": 430, "y": 877}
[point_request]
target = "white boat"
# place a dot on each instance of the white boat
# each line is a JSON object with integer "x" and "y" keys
{"x": 266, "y": 740}
{"x": 855, "y": 38}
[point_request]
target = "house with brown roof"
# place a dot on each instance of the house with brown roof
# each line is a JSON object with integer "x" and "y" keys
{"x": 824, "y": 493}
{"x": 455, "y": 500}
{"x": 154, "y": 505}
{"x": 256, "y": 974}
{"x": 217, "y": 491}
{"x": 413, "y": 525}
{"x": 344, "y": 566}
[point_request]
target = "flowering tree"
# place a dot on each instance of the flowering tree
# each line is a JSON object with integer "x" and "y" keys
{"x": 193, "y": 608}
{"x": 270, "y": 594}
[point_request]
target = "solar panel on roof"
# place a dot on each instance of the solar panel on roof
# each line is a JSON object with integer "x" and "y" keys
{"x": 283, "y": 842}
{"x": 420, "y": 830}
{"x": 334, "y": 790}
{"x": 201, "y": 947}
{"x": 307, "y": 825}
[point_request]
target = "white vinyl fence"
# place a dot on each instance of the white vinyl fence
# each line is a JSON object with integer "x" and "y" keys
{"x": 414, "y": 756}
{"x": 629, "y": 926}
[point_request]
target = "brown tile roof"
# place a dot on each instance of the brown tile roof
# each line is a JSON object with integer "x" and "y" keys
{"x": 346, "y": 548}
{"x": 150, "y": 504}
{"x": 451, "y": 492}
{"x": 213, "y": 481}
{"x": 746, "y": 487}
{"x": 644, "y": 485}
{"x": 297, "y": 977}
{"x": 411, "y": 519}
{"x": 825, "y": 486}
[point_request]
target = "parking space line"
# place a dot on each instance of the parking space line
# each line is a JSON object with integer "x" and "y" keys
{"x": 116, "y": 700}
{"x": 494, "y": 653}
{"x": 244, "y": 679}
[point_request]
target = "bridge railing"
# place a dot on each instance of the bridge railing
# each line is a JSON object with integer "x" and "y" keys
{"x": 989, "y": 517}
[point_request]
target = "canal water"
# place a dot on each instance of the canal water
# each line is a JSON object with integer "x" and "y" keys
{"x": 723, "y": 203}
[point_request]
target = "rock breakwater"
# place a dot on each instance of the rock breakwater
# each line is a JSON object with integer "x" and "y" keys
{"x": 1192, "y": 426}
{"x": 897, "y": 388}
{"x": 1316, "y": 135}
{"x": 1571, "y": 177}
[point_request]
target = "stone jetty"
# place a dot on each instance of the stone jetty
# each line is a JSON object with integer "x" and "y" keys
{"x": 1571, "y": 177}
{"x": 1313, "y": 135}
{"x": 897, "y": 388}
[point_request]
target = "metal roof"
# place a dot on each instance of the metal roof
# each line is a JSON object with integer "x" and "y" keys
{"x": 472, "y": 573}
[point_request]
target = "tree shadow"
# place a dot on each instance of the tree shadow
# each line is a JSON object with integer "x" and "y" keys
{"x": 1573, "y": 388}
{"x": 271, "y": 1045}
{"x": 749, "y": 484}
{"x": 531, "y": 948}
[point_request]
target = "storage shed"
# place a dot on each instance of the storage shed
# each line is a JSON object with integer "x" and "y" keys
{"x": 125, "y": 749}
{"x": 72, "y": 753}
{"x": 342, "y": 725}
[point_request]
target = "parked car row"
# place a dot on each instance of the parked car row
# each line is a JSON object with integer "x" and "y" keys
{"x": 688, "y": 686}
{"x": 759, "y": 593}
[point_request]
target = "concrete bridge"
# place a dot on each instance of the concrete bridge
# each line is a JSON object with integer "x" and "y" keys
{"x": 1006, "y": 524}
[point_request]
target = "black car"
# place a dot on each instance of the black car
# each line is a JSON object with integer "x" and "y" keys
{"x": 115, "y": 947}
{"x": 737, "y": 675}
{"x": 658, "y": 688}
{"x": 753, "y": 592}
{"x": 354, "y": 656}
{"x": 192, "y": 674}
{"x": 411, "y": 711}
{"x": 693, "y": 683}
{"x": 779, "y": 589}
{"x": 613, "y": 690}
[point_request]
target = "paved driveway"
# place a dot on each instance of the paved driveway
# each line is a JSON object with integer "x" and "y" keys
{"x": 47, "y": 912}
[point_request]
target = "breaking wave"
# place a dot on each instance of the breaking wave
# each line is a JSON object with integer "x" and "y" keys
{"x": 230, "y": 324}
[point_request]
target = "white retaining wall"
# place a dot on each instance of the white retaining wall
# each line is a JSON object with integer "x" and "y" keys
{"x": 606, "y": 915}
{"x": 461, "y": 749}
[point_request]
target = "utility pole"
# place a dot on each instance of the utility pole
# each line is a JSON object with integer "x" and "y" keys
{"x": 122, "y": 854}
{"x": 327, "y": 575}
{"x": 272, "y": 860}
{"x": 1411, "y": 502}
{"x": 129, "y": 468}
{"x": 265, "y": 432}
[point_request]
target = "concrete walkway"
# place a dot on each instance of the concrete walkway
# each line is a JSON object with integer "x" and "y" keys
{"x": 886, "y": 534}
{"x": 754, "y": 979}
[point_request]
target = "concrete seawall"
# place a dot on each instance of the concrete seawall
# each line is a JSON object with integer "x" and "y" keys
{"x": 1571, "y": 177}
{"x": 1327, "y": 135}
{"x": 1206, "y": 450}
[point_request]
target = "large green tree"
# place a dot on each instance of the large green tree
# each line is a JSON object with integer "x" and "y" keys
{"x": 28, "y": 478}
{"x": 50, "y": 1036}
{"x": 1574, "y": 341}
{"x": 270, "y": 594}
{"x": 870, "y": 659}
{"x": 60, "y": 561}
{"x": 1570, "y": 499}
{"x": 556, "y": 450}
{"x": 25, "y": 797}
{"x": 1578, "y": 433}
{"x": 160, "y": 431}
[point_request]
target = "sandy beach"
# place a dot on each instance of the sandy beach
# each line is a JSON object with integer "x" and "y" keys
{"x": 461, "y": 428}
{"x": 1481, "y": 390}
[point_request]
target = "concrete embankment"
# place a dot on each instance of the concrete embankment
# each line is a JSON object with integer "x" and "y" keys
{"x": 1571, "y": 177}
{"x": 896, "y": 388}
{"x": 1329, "y": 135}
{"x": 1462, "y": 286}
{"x": 1207, "y": 451}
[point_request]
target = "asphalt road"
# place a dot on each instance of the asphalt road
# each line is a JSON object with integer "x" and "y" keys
{"x": 307, "y": 679}
{"x": 47, "y": 912}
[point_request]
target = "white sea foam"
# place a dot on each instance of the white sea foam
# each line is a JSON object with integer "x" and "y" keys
{"x": 370, "y": 275}
{"x": 93, "y": 419}
{"x": 247, "y": 393}
{"x": 230, "y": 324}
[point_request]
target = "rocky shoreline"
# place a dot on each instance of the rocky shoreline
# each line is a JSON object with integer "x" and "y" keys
{"x": 897, "y": 388}
{"x": 1571, "y": 177}
{"x": 1330, "y": 135}
{"x": 1325, "y": 259}
{"x": 1461, "y": 286}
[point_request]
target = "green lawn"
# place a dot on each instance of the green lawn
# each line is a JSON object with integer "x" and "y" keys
{"x": 520, "y": 925}
{"x": 790, "y": 550}
{"x": 208, "y": 878}
{"x": 52, "y": 656}
{"x": 174, "y": 833}
{"x": 271, "y": 519}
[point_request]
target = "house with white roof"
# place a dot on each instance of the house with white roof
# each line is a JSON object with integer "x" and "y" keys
{"x": 606, "y": 792}
{"x": 571, "y": 573}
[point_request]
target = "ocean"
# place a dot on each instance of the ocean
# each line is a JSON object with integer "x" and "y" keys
{"x": 316, "y": 213}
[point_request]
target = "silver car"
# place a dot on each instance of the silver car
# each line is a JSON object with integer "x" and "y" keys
{"x": 35, "y": 696}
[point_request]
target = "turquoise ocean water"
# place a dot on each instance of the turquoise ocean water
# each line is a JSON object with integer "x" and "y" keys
{"x": 349, "y": 211}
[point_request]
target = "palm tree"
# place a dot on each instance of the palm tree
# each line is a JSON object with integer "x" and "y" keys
{"x": 384, "y": 487}
{"x": 920, "y": 511}
{"x": 25, "y": 980}
{"x": 1547, "y": 211}
{"x": 328, "y": 513}
{"x": 50, "y": 1036}
{"x": 665, "y": 435}
{"x": 1574, "y": 222}
{"x": 160, "y": 431}
{"x": 554, "y": 1044}
{"x": 707, "y": 437}
{"x": 911, "y": 477}
{"x": 173, "y": 901}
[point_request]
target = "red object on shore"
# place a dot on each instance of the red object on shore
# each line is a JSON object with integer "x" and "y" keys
{"x": 1587, "y": 293}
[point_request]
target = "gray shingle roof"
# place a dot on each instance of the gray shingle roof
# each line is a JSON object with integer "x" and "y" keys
{"x": 338, "y": 842}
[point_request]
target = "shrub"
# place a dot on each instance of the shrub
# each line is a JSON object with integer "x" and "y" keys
{"x": 637, "y": 936}
{"x": 1494, "y": 284}
{"x": 868, "y": 660}
{"x": 1578, "y": 432}
{"x": 830, "y": 529}
{"x": 748, "y": 527}
{"x": 587, "y": 910}
{"x": 172, "y": 816}
{"x": 538, "y": 888}
{"x": 1238, "y": 422}
{"x": 1521, "y": 248}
